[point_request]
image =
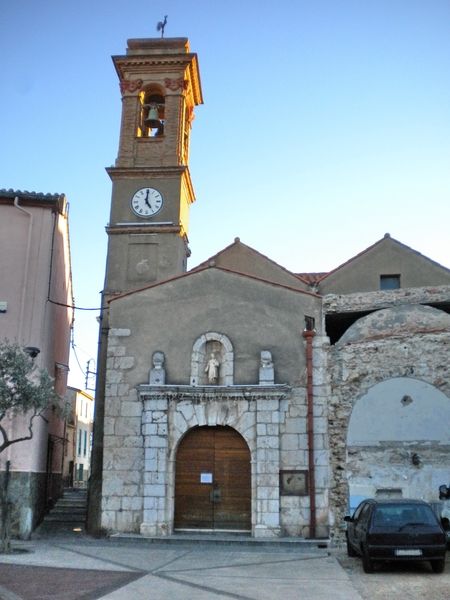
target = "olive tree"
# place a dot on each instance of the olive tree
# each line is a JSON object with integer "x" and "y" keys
{"x": 25, "y": 391}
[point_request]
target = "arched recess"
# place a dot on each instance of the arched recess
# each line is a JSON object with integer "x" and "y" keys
{"x": 204, "y": 346}
{"x": 152, "y": 115}
{"x": 398, "y": 441}
{"x": 213, "y": 480}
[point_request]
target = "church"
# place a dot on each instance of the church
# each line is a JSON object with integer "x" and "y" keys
{"x": 239, "y": 396}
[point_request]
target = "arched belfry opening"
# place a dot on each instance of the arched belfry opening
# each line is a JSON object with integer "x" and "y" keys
{"x": 152, "y": 113}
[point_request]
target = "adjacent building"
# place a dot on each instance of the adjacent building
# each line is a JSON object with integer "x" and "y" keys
{"x": 239, "y": 395}
{"x": 79, "y": 425}
{"x": 36, "y": 312}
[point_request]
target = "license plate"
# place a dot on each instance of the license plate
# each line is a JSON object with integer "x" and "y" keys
{"x": 400, "y": 552}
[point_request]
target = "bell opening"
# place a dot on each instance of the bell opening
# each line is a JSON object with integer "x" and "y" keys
{"x": 153, "y": 113}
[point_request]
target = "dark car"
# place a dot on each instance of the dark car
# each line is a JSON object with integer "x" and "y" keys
{"x": 442, "y": 510}
{"x": 396, "y": 530}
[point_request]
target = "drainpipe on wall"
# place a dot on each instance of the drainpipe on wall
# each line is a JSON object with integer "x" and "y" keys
{"x": 309, "y": 336}
{"x": 27, "y": 264}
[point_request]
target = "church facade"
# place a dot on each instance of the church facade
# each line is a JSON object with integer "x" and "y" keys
{"x": 239, "y": 396}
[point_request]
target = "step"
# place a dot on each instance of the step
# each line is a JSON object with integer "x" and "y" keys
{"x": 53, "y": 528}
{"x": 65, "y": 517}
{"x": 62, "y": 511}
{"x": 224, "y": 539}
{"x": 71, "y": 503}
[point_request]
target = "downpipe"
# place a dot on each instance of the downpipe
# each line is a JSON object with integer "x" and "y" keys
{"x": 309, "y": 336}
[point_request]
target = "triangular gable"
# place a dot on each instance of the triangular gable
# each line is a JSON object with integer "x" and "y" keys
{"x": 243, "y": 259}
{"x": 387, "y": 256}
{"x": 201, "y": 269}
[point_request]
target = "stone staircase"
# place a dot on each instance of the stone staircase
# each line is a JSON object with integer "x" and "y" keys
{"x": 67, "y": 516}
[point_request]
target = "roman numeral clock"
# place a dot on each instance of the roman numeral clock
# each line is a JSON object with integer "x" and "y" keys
{"x": 146, "y": 202}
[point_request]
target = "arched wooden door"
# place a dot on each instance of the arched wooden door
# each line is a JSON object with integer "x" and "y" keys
{"x": 213, "y": 480}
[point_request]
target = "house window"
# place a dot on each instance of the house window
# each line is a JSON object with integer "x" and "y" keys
{"x": 389, "y": 282}
{"x": 84, "y": 442}
{"x": 79, "y": 442}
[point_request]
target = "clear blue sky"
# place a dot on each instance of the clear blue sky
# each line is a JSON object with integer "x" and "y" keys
{"x": 325, "y": 124}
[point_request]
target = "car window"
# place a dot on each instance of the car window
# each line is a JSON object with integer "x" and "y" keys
{"x": 365, "y": 514}
{"x": 397, "y": 515}
{"x": 358, "y": 511}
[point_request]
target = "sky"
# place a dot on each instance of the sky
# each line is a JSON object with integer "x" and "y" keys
{"x": 325, "y": 124}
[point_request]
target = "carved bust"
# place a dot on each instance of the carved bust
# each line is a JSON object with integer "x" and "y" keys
{"x": 266, "y": 370}
{"x": 158, "y": 372}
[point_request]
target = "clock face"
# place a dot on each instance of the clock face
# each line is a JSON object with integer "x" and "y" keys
{"x": 146, "y": 202}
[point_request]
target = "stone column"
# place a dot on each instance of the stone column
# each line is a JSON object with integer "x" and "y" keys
{"x": 321, "y": 392}
{"x": 155, "y": 432}
{"x": 267, "y": 492}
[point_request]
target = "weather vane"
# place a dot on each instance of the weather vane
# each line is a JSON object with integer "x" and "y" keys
{"x": 161, "y": 25}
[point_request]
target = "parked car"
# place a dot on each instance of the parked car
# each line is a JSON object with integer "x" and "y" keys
{"x": 442, "y": 510}
{"x": 384, "y": 530}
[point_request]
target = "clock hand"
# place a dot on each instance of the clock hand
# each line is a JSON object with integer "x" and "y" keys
{"x": 146, "y": 200}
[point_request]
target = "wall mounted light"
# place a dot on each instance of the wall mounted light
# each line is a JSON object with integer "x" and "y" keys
{"x": 32, "y": 351}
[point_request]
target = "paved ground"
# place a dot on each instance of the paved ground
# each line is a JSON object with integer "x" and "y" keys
{"x": 63, "y": 568}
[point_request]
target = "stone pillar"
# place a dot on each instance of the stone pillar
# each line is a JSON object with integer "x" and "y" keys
{"x": 321, "y": 393}
{"x": 267, "y": 492}
{"x": 155, "y": 432}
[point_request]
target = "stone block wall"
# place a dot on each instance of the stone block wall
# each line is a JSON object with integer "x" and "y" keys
{"x": 123, "y": 454}
{"x": 354, "y": 369}
{"x": 144, "y": 424}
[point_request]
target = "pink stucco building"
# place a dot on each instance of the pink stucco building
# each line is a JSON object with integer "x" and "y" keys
{"x": 36, "y": 312}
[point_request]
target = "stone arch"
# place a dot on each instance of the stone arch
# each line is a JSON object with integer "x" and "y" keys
{"x": 221, "y": 345}
{"x": 397, "y": 440}
{"x": 187, "y": 414}
{"x": 233, "y": 413}
{"x": 152, "y": 111}
{"x": 402, "y": 342}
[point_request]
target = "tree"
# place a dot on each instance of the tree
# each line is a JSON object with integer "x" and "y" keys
{"x": 27, "y": 391}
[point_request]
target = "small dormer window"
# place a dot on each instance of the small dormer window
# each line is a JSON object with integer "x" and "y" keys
{"x": 389, "y": 282}
{"x": 152, "y": 113}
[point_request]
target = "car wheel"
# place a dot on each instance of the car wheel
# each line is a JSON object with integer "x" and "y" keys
{"x": 367, "y": 562}
{"x": 438, "y": 566}
{"x": 350, "y": 550}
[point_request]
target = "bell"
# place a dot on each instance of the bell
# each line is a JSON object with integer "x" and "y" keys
{"x": 152, "y": 119}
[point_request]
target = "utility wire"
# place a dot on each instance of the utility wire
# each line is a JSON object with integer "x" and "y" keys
{"x": 71, "y": 305}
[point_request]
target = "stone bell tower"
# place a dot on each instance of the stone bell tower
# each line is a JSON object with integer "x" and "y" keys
{"x": 151, "y": 194}
{"x": 152, "y": 189}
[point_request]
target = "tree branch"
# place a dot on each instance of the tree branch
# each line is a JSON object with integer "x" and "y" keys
{"x": 7, "y": 442}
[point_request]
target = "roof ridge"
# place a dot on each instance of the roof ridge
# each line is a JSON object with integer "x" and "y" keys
{"x": 205, "y": 268}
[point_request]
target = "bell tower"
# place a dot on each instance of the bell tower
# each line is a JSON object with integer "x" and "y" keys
{"x": 152, "y": 189}
{"x": 151, "y": 193}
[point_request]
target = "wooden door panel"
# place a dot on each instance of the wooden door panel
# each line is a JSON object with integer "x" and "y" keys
{"x": 193, "y": 508}
{"x": 222, "y": 452}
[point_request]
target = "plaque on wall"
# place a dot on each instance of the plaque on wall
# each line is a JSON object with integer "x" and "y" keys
{"x": 294, "y": 483}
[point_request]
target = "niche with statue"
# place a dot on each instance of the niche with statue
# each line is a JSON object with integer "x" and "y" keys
{"x": 212, "y": 361}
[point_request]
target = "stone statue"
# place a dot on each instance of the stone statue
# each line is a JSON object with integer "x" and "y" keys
{"x": 158, "y": 372}
{"x": 266, "y": 370}
{"x": 212, "y": 369}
